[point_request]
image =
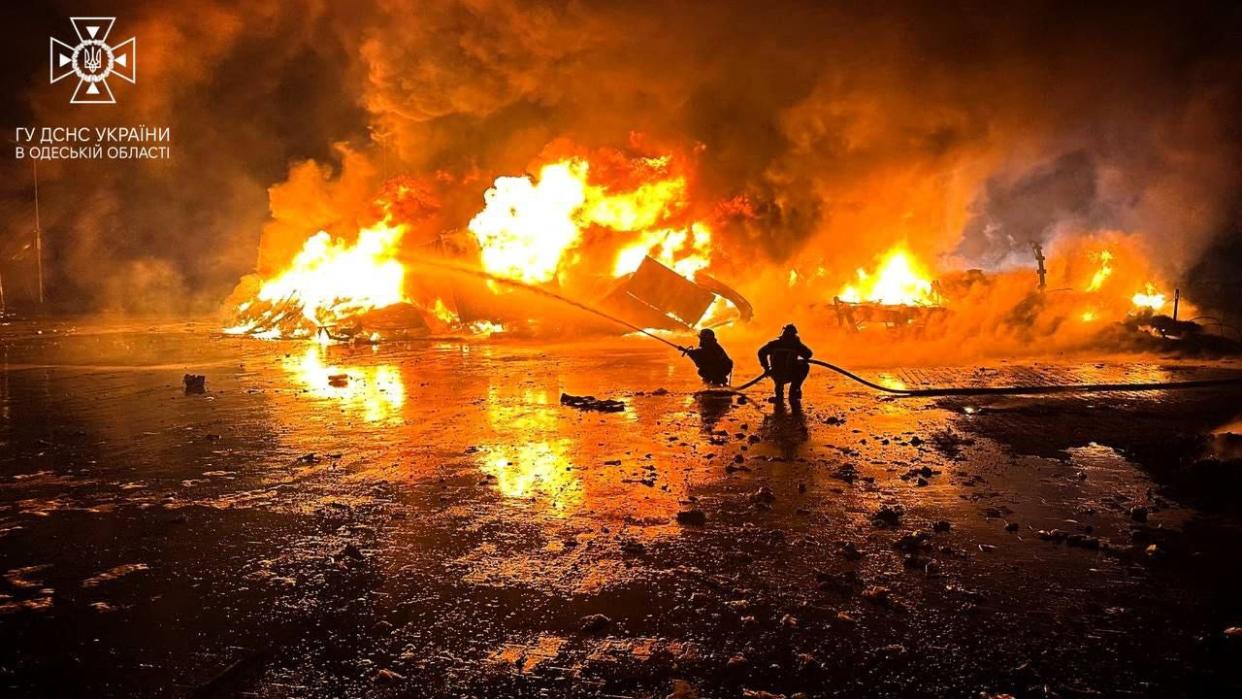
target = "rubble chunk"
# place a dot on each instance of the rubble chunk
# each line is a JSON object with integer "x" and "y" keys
{"x": 594, "y": 623}
{"x": 603, "y": 405}
{"x": 694, "y": 518}
{"x": 386, "y": 676}
{"x": 888, "y": 515}
{"x": 194, "y": 383}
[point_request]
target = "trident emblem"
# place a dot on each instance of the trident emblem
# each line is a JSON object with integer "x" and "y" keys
{"x": 93, "y": 60}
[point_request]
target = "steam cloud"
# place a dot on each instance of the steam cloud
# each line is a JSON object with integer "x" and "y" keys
{"x": 965, "y": 129}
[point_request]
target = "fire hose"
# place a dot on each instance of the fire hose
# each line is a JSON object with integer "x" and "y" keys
{"x": 1031, "y": 389}
{"x": 1034, "y": 389}
{"x": 1016, "y": 390}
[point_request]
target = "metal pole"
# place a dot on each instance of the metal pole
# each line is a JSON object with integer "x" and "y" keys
{"x": 1177, "y": 298}
{"x": 38, "y": 231}
{"x": 1039, "y": 260}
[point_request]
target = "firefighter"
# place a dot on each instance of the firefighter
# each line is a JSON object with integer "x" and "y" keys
{"x": 711, "y": 359}
{"x": 784, "y": 359}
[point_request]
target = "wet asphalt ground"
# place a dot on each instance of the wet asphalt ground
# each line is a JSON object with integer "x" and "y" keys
{"x": 426, "y": 519}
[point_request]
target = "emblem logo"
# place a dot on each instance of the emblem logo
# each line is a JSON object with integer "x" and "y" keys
{"x": 93, "y": 60}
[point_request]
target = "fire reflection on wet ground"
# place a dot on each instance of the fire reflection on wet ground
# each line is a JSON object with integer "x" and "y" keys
{"x": 428, "y": 516}
{"x": 376, "y": 392}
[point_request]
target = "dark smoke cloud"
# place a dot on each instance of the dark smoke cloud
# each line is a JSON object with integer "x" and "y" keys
{"x": 966, "y": 129}
{"x": 1009, "y": 216}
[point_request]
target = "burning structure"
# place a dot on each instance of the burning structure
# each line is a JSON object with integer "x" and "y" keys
{"x": 627, "y": 237}
{"x": 547, "y": 147}
{"x": 400, "y": 472}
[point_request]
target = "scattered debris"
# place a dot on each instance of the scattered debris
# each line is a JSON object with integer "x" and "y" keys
{"x": 603, "y": 405}
{"x": 888, "y": 515}
{"x": 194, "y": 383}
{"x": 695, "y": 518}
{"x": 387, "y": 677}
{"x": 846, "y": 472}
{"x": 350, "y": 551}
{"x": 850, "y": 551}
{"x": 633, "y": 548}
{"x": 114, "y": 573}
{"x": 877, "y": 594}
{"x": 911, "y": 541}
{"x": 594, "y": 623}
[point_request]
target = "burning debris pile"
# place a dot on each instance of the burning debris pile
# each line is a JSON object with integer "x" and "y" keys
{"x": 626, "y": 236}
{"x": 899, "y": 293}
{"x": 329, "y": 287}
{"x": 623, "y": 234}
{"x": 673, "y": 171}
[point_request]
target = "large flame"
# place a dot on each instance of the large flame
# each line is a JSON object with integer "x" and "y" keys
{"x": 1149, "y": 298}
{"x": 532, "y": 229}
{"x": 686, "y": 250}
{"x": 1104, "y": 269}
{"x": 1115, "y": 272}
{"x": 899, "y": 280}
{"x": 327, "y": 282}
{"x": 527, "y": 227}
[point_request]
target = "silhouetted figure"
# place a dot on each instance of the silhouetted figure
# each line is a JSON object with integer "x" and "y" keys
{"x": 711, "y": 359}
{"x": 784, "y": 359}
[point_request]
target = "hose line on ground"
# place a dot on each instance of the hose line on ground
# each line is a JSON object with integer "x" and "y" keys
{"x": 903, "y": 392}
{"x": 1032, "y": 389}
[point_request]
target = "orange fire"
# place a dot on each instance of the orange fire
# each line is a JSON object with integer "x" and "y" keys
{"x": 1115, "y": 271}
{"x": 570, "y": 217}
{"x": 328, "y": 282}
{"x": 1104, "y": 270}
{"x": 899, "y": 280}
{"x": 535, "y": 229}
{"x": 1149, "y": 298}
{"x": 527, "y": 227}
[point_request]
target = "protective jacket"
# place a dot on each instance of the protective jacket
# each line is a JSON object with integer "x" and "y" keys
{"x": 713, "y": 363}
{"x": 785, "y": 357}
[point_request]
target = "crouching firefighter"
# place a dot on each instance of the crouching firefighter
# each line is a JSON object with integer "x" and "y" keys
{"x": 785, "y": 360}
{"x": 713, "y": 362}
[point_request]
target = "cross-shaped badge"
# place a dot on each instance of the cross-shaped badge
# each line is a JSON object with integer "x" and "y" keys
{"x": 93, "y": 60}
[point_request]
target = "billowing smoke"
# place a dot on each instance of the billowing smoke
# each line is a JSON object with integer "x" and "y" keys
{"x": 965, "y": 130}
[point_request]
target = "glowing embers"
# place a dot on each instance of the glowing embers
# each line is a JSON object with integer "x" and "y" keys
{"x": 376, "y": 393}
{"x": 898, "y": 280}
{"x": 328, "y": 282}
{"x": 452, "y": 321}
